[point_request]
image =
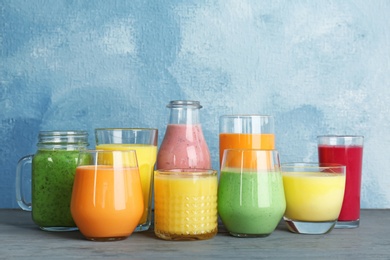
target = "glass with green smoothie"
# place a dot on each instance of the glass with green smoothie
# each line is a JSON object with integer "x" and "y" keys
{"x": 251, "y": 199}
{"x": 52, "y": 173}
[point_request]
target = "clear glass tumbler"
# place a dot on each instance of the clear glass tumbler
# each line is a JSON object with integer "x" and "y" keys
{"x": 144, "y": 142}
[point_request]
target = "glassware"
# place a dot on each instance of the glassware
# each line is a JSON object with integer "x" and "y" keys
{"x": 52, "y": 174}
{"x": 246, "y": 132}
{"x": 314, "y": 195}
{"x": 107, "y": 202}
{"x": 185, "y": 204}
{"x": 184, "y": 145}
{"x": 144, "y": 142}
{"x": 348, "y": 151}
{"x": 251, "y": 199}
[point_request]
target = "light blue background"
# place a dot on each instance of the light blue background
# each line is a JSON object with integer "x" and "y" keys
{"x": 319, "y": 67}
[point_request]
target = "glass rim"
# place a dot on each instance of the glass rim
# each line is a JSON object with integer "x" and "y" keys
{"x": 246, "y": 116}
{"x": 311, "y": 165}
{"x": 180, "y": 103}
{"x": 250, "y": 150}
{"x": 340, "y": 136}
{"x": 130, "y": 154}
{"x": 63, "y": 132}
{"x": 107, "y": 151}
{"x": 126, "y": 128}
{"x": 63, "y": 137}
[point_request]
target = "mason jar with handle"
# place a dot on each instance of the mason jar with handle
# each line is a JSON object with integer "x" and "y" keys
{"x": 52, "y": 174}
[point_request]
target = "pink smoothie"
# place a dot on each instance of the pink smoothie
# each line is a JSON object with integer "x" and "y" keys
{"x": 183, "y": 146}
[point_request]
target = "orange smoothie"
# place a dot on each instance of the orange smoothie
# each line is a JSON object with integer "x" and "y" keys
{"x": 245, "y": 141}
{"x": 146, "y": 157}
{"x": 106, "y": 202}
{"x": 185, "y": 206}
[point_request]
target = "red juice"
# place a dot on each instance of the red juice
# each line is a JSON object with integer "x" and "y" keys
{"x": 351, "y": 157}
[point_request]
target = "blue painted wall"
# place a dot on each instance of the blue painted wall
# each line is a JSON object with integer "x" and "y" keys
{"x": 319, "y": 67}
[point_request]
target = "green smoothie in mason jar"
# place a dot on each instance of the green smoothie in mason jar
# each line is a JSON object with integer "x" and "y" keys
{"x": 52, "y": 175}
{"x": 52, "y": 182}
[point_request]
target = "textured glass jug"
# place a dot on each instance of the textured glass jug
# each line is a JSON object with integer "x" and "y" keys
{"x": 184, "y": 145}
{"x": 53, "y": 168}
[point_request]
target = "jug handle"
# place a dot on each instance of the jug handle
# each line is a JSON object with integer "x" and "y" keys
{"x": 20, "y": 198}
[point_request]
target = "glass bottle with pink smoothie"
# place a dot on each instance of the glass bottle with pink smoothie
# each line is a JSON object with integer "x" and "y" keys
{"x": 184, "y": 145}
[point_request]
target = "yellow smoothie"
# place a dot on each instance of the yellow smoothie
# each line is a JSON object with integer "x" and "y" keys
{"x": 313, "y": 196}
{"x": 185, "y": 206}
{"x": 146, "y": 157}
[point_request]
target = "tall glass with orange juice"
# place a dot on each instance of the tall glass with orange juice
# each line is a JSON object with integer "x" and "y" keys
{"x": 107, "y": 201}
{"x": 144, "y": 142}
{"x": 246, "y": 132}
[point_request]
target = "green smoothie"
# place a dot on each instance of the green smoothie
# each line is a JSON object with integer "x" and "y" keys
{"x": 52, "y": 182}
{"x": 251, "y": 203}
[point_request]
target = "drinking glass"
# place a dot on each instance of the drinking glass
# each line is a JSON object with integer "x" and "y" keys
{"x": 185, "y": 204}
{"x": 144, "y": 142}
{"x": 107, "y": 201}
{"x": 246, "y": 132}
{"x": 314, "y": 195}
{"x": 346, "y": 150}
{"x": 251, "y": 199}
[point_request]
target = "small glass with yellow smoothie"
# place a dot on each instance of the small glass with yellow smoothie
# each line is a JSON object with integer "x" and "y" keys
{"x": 144, "y": 142}
{"x": 314, "y": 196}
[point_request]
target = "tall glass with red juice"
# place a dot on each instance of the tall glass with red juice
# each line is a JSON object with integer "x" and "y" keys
{"x": 348, "y": 151}
{"x": 184, "y": 145}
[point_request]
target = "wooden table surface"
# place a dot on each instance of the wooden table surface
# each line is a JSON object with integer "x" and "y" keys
{"x": 20, "y": 238}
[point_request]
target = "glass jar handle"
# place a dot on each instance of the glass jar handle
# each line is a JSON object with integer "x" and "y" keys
{"x": 20, "y": 198}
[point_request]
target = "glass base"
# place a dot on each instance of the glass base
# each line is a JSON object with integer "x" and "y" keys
{"x": 247, "y": 235}
{"x": 59, "y": 229}
{"x": 347, "y": 224}
{"x": 143, "y": 227}
{"x": 185, "y": 237}
{"x": 310, "y": 228}
{"x": 106, "y": 239}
